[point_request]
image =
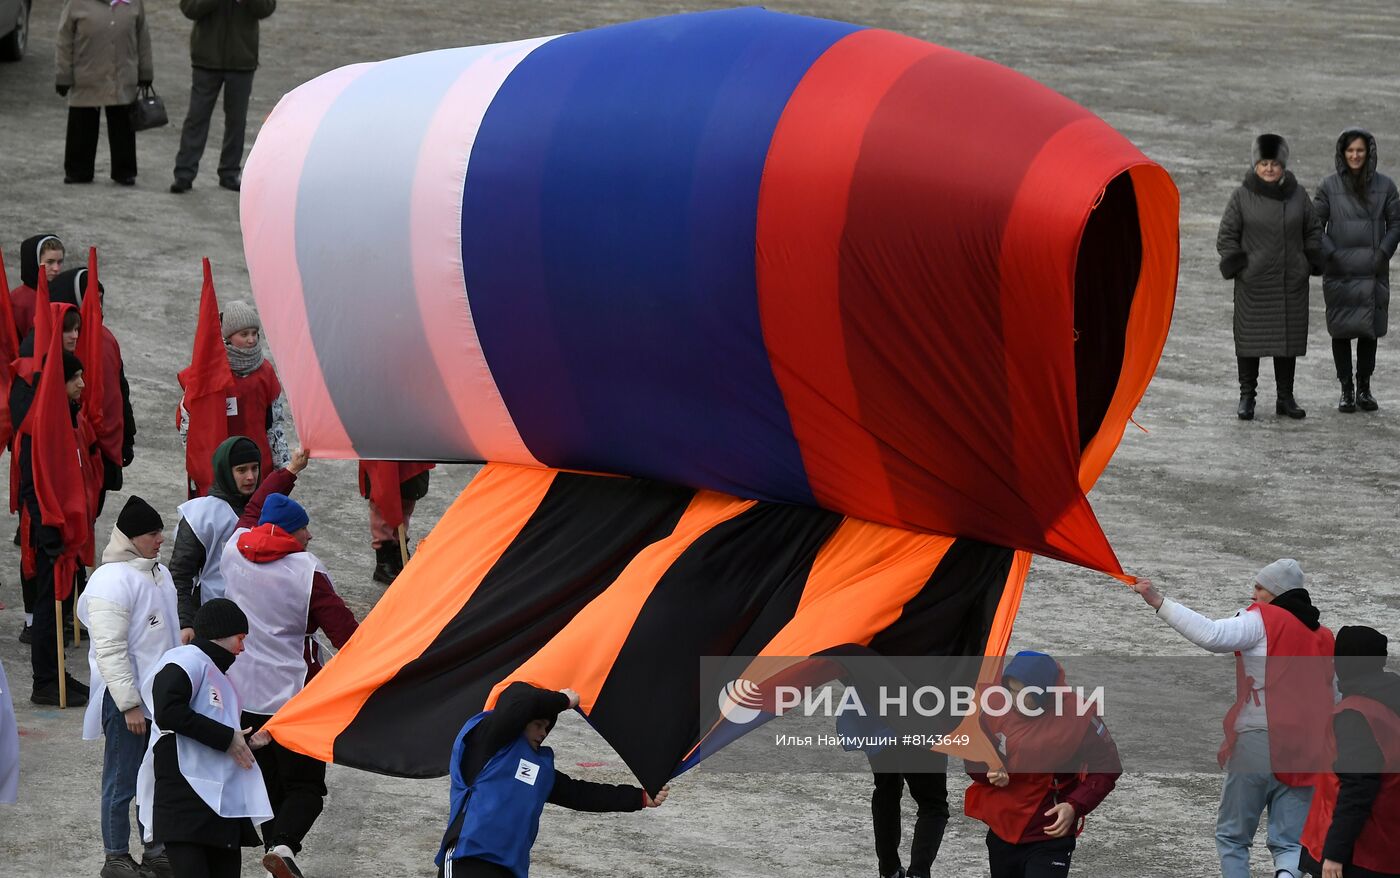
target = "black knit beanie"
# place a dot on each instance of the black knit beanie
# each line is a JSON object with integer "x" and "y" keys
{"x": 219, "y": 618}
{"x": 243, "y": 450}
{"x": 71, "y": 366}
{"x": 1360, "y": 650}
{"x": 138, "y": 517}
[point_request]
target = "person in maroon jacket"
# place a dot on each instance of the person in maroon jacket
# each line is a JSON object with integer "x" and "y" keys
{"x": 1058, "y": 766}
{"x": 288, "y": 596}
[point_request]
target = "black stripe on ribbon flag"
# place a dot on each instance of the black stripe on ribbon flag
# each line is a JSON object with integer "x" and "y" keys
{"x": 577, "y": 541}
{"x": 729, "y": 593}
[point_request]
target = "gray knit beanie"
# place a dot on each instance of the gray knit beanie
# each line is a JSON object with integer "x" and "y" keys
{"x": 238, "y": 316}
{"x": 1280, "y": 576}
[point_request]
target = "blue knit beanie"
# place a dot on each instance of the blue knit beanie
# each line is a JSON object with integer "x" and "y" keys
{"x": 1033, "y": 669}
{"x": 283, "y": 511}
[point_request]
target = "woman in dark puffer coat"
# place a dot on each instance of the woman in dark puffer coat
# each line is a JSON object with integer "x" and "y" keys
{"x": 1360, "y": 214}
{"x": 1269, "y": 242}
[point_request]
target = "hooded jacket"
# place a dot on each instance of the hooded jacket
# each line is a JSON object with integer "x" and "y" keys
{"x": 1360, "y": 237}
{"x": 1359, "y": 765}
{"x": 189, "y": 556}
{"x": 118, "y": 436}
{"x": 1269, "y": 241}
{"x": 22, "y": 297}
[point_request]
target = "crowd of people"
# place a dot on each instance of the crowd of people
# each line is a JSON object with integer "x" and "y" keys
{"x": 1273, "y": 238}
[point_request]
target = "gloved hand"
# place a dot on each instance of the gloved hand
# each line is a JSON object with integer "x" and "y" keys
{"x": 50, "y": 541}
{"x": 62, "y": 90}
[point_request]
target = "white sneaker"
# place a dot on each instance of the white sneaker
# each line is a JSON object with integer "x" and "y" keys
{"x": 279, "y": 863}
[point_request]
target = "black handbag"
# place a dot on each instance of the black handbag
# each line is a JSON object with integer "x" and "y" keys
{"x": 148, "y": 110}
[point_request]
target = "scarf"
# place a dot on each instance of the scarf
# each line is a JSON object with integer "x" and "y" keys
{"x": 120, "y": 549}
{"x": 244, "y": 361}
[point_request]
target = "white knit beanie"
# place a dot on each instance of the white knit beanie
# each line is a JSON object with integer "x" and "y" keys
{"x": 1280, "y": 576}
{"x": 238, "y": 316}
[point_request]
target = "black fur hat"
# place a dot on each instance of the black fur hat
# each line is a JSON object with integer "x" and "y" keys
{"x": 1270, "y": 147}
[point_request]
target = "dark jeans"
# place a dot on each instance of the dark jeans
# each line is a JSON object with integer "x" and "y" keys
{"x": 121, "y": 759}
{"x": 930, "y": 792}
{"x": 204, "y": 93}
{"x": 202, "y": 861}
{"x": 1036, "y": 859}
{"x": 80, "y": 152}
{"x": 1284, "y": 369}
{"x": 296, "y": 786}
{"x": 1365, "y": 358}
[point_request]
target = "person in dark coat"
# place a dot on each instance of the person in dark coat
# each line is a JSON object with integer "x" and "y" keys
{"x": 223, "y": 55}
{"x": 1354, "y": 829}
{"x": 1269, "y": 242}
{"x": 502, "y": 776}
{"x": 198, "y": 840}
{"x": 1359, "y": 210}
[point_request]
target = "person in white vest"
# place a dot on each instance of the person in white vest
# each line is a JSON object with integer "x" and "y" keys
{"x": 206, "y": 523}
{"x": 288, "y": 596}
{"x": 129, "y": 611}
{"x": 200, "y": 793}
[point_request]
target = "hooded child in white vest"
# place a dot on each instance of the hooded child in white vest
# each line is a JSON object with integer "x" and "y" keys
{"x": 199, "y": 792}
{"x": 206, "y": 523}
{"x": 129, "y": 611}
{"x": 287, "y": 594}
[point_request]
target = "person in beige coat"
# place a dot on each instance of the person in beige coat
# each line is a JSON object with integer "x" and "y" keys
{"x": 103, "y": 57}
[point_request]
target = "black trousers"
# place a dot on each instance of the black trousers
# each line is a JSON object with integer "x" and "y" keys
{"x": 929, "y": 790}
{"x": 296, "y": 787}
{"x": 1365, "y": 358}
{"x": 80, "y": 151}
{"x": 1284, "y": 369}
{"x": 202, "y": 861}
{"x": 204, "y": 94}
{"x": 1037, "y": 859}
{"x": 471, "y": 867}
{"x": 43, "y": 646}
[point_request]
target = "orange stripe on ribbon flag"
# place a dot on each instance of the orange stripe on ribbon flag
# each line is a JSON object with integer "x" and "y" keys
{"x": 465, "y": 545}
{"x": 581, "y": 655}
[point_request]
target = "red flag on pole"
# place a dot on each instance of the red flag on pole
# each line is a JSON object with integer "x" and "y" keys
{"x": 90, "y": 347}
{"x": 24, "y": 368}
{"x": 61, "y": 463}
{"x": 9, "y": 352}
{"x": 208, "y": 382}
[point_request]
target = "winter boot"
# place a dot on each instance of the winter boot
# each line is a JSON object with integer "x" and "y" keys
{"x": 386, "y": 563}
{"x": 1249, "y": 384}
{"x": 1347, "y": 404}
{"x": 1363, "y": 394}
{"x": 1288, "y": 406}
{"x": 157, "y": 865}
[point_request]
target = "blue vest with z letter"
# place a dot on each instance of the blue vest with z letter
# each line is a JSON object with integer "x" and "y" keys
{"x": 499, "y": 812}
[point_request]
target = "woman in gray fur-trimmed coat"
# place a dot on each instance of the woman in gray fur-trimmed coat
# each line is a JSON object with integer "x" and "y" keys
{"x": 1360, "y": 214}
{"x": 1269, "y": 242}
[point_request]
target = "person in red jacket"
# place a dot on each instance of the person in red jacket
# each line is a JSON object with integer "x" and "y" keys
{"x": 1353, "y": 829}
{"x": 257, "y": 408}
{"x": 1058, "y": 767}
{"x": 117, "y": 435}
{"x": 41, "y": 251}
{"x": 288, "y": 596}
{"x": 392, "y": 489}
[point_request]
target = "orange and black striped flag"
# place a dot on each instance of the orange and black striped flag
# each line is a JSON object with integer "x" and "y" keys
{"x": 616, "y": 587}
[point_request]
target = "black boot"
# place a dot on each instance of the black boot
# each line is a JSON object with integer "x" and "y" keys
{"x": 1347, "y": 404}
{"x": 1287, "y": 406}
{"x": 1363, "y": 394}
{"x": 1246, "y": 407}
{"x": 386, "y": 563}
{"x": 1249, "y": 384}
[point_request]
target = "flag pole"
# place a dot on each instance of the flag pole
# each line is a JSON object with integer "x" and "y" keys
{"x": 403, "y": 542}
{"x": 58, "y": 636}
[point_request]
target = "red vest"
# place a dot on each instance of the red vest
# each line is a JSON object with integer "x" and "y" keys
{"x": 253, "y": 395}
{"x": 1377, "y": 848}
{"x": 1297, "y": 696}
